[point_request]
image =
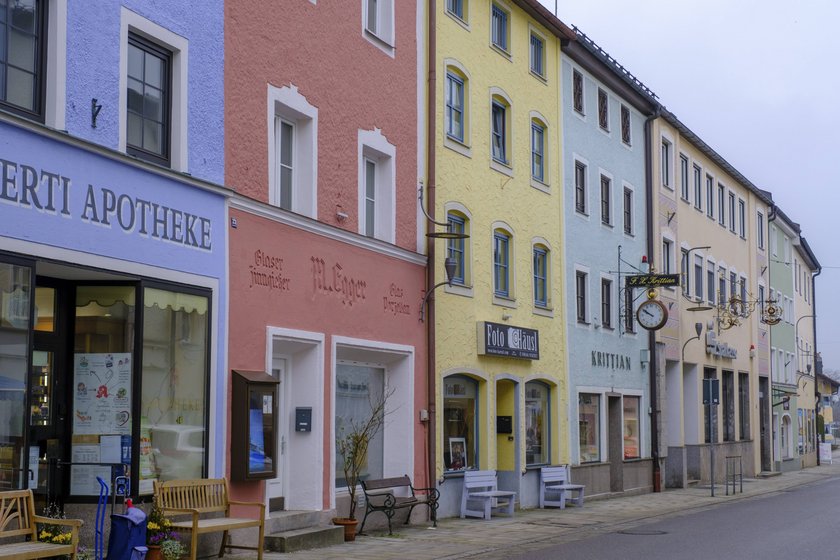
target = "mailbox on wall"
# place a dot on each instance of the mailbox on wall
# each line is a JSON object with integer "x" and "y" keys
{"x": 253, "y": 426}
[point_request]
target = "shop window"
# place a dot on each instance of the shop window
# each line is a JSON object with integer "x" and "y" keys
{"x": 358, "y": 390}
{"x": 632, "y": 423}
{"x": 537, "y": 423}
{"x": 710, "y": 422}
{"x": 173, "y": 420}
{"x": 460, "y": 423}
{"x": 589, "y": 427}
{"x": 15, "y": 302}
{"x": 45, "y": 309}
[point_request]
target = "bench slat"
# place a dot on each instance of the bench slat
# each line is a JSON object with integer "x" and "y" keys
{"x": 395, "y": 482}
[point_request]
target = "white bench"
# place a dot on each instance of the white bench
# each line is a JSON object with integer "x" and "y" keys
{"x": 556, "y": 487}
{"x": 481, "y": 495}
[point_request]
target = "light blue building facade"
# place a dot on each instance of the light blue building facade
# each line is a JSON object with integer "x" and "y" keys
{"x": 605, "y": 112}
{"x": 113, "y": 246}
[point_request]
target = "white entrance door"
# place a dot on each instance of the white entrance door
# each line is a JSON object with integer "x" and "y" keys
{"x": 275, "y": 487}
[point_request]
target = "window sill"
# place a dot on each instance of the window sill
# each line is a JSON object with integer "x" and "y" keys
{"x": 458, "y": 289}
{"x": 458, "y": 20}
{"x": 581, "y": 115}
{"x": 540, "y": 77}
{"x": 629, "y": 234}
{"x": 584, "y": 324}
{"x": 628, "y": 145}
{"x": 505, "y": 301}
{"x": 582, "y": 214}
{"x": 457, "y": 146}
{"x": 384, "y": 45}
{"x": 501, "y": 167}
{"x": 607, "y": 224}
{"x": 606, "y": 131}
{"x": 544, "y": 311}
{"x": 505, "y": 54}
{"x": 540, "y": 186}
{"x": 667, "y": 186}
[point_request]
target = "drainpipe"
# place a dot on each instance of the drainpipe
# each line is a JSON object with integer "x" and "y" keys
{"x": 652, "y": 365}
{"x": 771, "y": 217}
{"x": 814, "y": 320}
{"x": 430, "y": 241}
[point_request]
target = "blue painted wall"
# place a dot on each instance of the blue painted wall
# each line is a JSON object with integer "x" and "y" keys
{"x": 595, "y": 246}
{"x": 93, "y": 54}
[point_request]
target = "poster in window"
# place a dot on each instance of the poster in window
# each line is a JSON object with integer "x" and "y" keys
{"x": 102, "y": 393}
{"x": 457, "y": 453}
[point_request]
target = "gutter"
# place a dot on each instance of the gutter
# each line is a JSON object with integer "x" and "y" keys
{"x": 652, "y": 365}
{"x": 431, "y": 61}
{"x": 814, "y": 320}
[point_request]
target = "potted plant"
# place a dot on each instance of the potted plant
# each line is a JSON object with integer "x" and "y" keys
{"x": 352, "y": 440}
{"x": 158, "y": 531}
{"x": 172, "y": 549}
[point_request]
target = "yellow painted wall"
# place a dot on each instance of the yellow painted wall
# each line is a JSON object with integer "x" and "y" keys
{"x": 466, "y": 181}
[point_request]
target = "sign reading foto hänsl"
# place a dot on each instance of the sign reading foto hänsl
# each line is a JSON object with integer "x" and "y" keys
{"x": 653, "y": 280}
{"x": 506, "y": 340}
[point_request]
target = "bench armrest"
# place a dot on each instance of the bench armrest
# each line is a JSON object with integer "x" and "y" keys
{"x": 50, "y": 521}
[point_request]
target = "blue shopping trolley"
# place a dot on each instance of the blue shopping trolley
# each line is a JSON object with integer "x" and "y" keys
{"x": 127, "y": 540}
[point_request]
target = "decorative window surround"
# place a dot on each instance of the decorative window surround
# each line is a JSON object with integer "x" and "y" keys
{"x": 378, "y": 24}
{"x": 373, "y": 146}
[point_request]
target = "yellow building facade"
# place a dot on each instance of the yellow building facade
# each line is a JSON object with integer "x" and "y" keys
{"x": 499, "y": 326}
{"x": 709, "y": 226}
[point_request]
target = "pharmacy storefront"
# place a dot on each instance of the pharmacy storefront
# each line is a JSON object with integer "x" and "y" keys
{"x": 111, "y": 308}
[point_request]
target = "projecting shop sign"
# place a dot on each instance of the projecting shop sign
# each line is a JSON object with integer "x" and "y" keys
{"x": 506, "y": 340}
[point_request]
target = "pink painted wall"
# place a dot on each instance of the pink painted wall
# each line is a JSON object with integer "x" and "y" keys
{"x": 320, "y": 49}
{"x": 300, "y": 304}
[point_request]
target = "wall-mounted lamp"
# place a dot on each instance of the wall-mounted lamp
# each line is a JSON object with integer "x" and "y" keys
{"x": 450, "y": 265}
{"x": 448, "y": 234}
{"x": 698, "y": 328}
{"x": 700, "y": 306}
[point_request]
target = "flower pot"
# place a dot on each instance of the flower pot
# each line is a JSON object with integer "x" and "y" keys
{"x": 154, "y": 552}
{"x": 349, "y": 527}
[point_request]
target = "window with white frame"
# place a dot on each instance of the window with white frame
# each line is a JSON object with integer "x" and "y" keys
{"x": 628, "y": 210}
{"x": 698, "y": 187}
{"x": 774, "y": 241}
{"x": 733, "y": 284}
{"x": 541, "y": 268}
{"x": 743, "y": 288}
{"x": 501, "y": 263}
{"x": 580, "y": 187}
{"x": 379, "y": 20}
{"x": 538, "y": 150}
{"x": 581, "y": 296}
{"x": 666, "y": 153}
{"x": 710, "y": 282}
{"x": 537, "y": 55}
{"x": 626, "y": 125}
{"x": 456, "y": 248}
{"x": 722, "y": 299}
{"x": 710, "y": 196}
{"x": 499, "y": 135}
{"x": 732, "y": 212}
{"x": 684, "y": 177}
{"x": 499, "y": 27}
{"x": 759, "y": 229}
{"x": 377, "y": 180}
{"x": 606, "y": 303}
{"x": 455, "y": 108}
{"x": 358, "y": 389}
{"x": 457, "y": 8}
{"x": 742, "y": 218}
{"x": 685, "y": 272}
{"x": 698, "y": 277}
{"x": 667, "y": 256}
{"x": 606, "y": 200}
{"x": 721, "y": 205}
{"x": 23, "y": 42}
{"x": 577, "y": 91}
{"x": 786, "y": 242}
{"x": 629, "y": 316}
{"x": 603, "y": 110}
{"x": 292, "y": 151}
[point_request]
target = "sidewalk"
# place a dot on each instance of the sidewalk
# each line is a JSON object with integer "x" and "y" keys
{"x": 534, "y": 529}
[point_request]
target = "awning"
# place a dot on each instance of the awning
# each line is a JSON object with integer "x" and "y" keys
{"x": 176, "y": 301}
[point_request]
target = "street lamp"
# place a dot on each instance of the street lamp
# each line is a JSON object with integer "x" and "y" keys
{"x": 685, "y": 272}
{"x": 449, "y": 264}
{"x": 698, "y": 328}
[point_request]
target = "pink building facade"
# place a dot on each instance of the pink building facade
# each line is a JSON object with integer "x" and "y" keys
{"x": 321, "y": 147}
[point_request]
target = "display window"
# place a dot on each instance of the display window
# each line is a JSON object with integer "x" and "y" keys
{"x": 358, "y": 389}
{"x": 460, "y": 413}
{"x": 632, "y": 421}
{"x": 537, "y": 424}
{"x": 589, "y": 427}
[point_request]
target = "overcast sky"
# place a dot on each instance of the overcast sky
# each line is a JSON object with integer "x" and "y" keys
{"x": 759, "y": 81}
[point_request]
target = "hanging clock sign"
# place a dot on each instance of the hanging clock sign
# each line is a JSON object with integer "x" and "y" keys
{"x": 652, "y": 314}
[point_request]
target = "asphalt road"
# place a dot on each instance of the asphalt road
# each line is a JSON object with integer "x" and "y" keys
{"x": 798, "y": 523}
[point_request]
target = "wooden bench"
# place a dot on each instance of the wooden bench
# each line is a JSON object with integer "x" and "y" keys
{"x": 197, "y": 497}
{"x": 18, "y": 519}
{"x": 556, "y": 487}
{"x": 381, "y": 495}
{"x": 481, "y": 491}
